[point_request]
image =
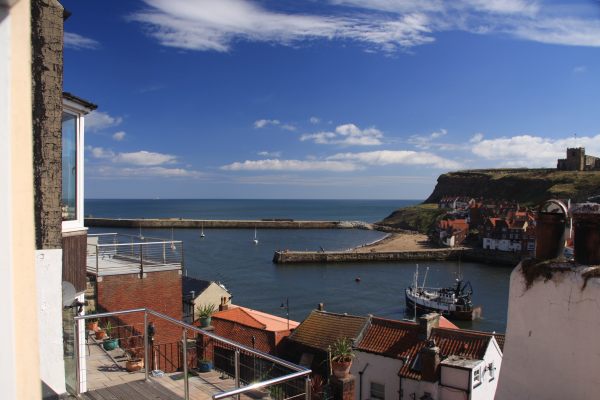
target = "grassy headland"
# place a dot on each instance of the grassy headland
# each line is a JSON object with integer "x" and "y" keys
{"x": 526, "y": 186}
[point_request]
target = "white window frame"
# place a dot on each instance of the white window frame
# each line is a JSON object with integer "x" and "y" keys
{"x": 382, "y": 390}
{"x": 78, "y": 111}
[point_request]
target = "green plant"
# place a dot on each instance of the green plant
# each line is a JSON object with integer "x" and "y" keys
{"x": 206, "y": 310}
{"x": 342, "y": 351}
{"x": 92, "y": 311}
{"x": 108, "y": 329}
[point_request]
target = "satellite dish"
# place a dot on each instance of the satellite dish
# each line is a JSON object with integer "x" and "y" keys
{"x": 69, "y": 294}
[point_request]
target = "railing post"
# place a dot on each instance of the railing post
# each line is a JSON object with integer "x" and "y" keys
{"x": 186, "y": 383}
{"x": 76, "y": 355}
{"x": 237, "y": 370}
{"x": 141, "y": 260}
{"x": 97, "y": 261}
{"x": 164, "y": 253}
{"x": 146, "y": 358}
{"x": 307, "y": 388}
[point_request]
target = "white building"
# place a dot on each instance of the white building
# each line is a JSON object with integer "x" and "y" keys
{"x": 198, "y": 292}
{"x": 552, "y": 346}
{"x": 399, "y": 359}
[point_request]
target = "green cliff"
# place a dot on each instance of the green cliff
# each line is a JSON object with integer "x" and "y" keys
{"x": 526, "y": 186}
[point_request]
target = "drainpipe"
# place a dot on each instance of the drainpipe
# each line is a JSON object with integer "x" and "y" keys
{"x": 360, "y": 374}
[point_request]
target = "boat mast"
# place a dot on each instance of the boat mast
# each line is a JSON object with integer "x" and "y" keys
{"x": 425, "y": 278}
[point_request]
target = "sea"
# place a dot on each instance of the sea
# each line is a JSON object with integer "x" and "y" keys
{"x": 246, "y": 269}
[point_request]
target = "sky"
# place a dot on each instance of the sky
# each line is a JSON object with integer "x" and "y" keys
{"x": 332, "y": 99}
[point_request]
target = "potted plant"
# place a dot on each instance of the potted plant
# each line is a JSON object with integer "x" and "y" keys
{"x": 135, "y": 361}
{"x": 341, "y": 357}
{"x": 204, "y": 313}
{"x": 205, "y": 365}
{"x": 109, "y": 343}
{"x": 100, "y": 334}
{"x": 92, "y": 323}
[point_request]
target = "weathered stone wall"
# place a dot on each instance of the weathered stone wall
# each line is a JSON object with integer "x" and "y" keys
{"x": 47, "y": 87}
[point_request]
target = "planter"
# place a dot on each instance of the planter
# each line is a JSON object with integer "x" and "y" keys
{"x": 205, "y": 366}
{"x": 110, "y": 344}
{"x": 100, "y": 335}
{"x": 205, "y": 322}
{"x": 92, "y": 326}
{"x": 134, "y": 365}
{"x": 586, "y": 221}
{"x": 341, "y": 369}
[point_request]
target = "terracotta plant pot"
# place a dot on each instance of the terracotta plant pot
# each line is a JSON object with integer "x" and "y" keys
{"x": 134, "y": 365}
{"x": 341, "y": 369}
{"x": 100, "y": 334}
{"x": 92, "y": 326}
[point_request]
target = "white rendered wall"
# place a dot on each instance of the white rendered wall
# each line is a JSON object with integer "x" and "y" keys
{"x": 552, "y": 347}
{"x": 489, "y": 380}
{"x": 410, "y": 386}
{"x": 211, "y": 295}
{"x": 383, "y": 370}
{"x": 7, "y": 360}
{"x": 48, "y": 264}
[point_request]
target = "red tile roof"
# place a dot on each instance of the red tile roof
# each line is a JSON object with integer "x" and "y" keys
{"x": 255, "y": 319}
{"x": 321, "y": 329}
{"x": 389, "y": 338}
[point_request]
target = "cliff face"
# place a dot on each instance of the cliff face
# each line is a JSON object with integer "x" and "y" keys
{"x": 527, "y": 186}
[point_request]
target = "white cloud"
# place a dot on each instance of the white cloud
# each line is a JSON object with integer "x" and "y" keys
{"x": 476, "y": 138}
{"x": 532, "y": 151}
{"x": 261, "y": 123}
{"x": 142, "y": 157}
{"x": 580, "y": 69}
{"x": 402, "y": 157}
{"x": 424, "y": 141}
{"x": 110, "y": 172}
{"x": 346, "y": 135}
{"x": 291, "y": 165}
{"x": 288, "y": 127}
{"x": 77, "y": 42}
{"x": 145, "y": 158}
{"x": 98, "y": 121}
{"x": 118, "y": 136}
{"x": 314, "y": 120}
{"x": 216, "y": 24}
{"x": 273, "y": 154}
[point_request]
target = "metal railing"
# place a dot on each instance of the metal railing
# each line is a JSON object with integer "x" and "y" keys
{"x": 286, "y": 374}
{"x": 115, "y": 253}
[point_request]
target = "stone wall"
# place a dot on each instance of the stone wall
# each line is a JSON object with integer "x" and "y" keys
{"x": 47, "y": 87}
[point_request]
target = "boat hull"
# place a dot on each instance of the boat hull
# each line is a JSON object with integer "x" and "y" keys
{"x": 470, "y": 315}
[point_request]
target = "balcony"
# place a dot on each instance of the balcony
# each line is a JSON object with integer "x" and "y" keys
{"x": 117, "y": 254}
{"x": 239, "y": 372}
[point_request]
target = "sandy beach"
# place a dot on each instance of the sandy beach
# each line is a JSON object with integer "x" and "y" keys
{"x": 398, "y": 242}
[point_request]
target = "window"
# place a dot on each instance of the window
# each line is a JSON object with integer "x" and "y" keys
{"x": 476, "y": 377}
{"x": 377, "y": 391}
{"x": 492, "y": 370}
{"x": 69, "y": 167}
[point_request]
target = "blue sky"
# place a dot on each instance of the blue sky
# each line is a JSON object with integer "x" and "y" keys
{"x": 369, "y": 99}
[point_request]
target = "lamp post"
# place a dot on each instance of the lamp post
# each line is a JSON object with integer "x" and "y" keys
{"x": 286, "y": 306}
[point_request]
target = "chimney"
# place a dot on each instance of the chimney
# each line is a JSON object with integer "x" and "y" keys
{"x": 321, "y": 307}
{"x": 223, "y": 306}
{"x": 430, "y": 362}
{"x": 426, "y": 323}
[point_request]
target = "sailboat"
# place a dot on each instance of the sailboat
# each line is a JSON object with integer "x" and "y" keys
{"x": 173, "y": 247}
{"x": 202, "y": 231}
{"x": 255, "y": 238}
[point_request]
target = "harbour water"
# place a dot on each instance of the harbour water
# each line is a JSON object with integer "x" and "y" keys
{"x": 246, "y": 269}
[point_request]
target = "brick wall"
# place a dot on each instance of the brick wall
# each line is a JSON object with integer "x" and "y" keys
{"x": 159, "y": 291}
{"x": 47, "y": 88}
{"x": 264, "y": 340}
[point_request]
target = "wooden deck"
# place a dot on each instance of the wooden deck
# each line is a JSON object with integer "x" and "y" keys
{"x": 132, "y": 390}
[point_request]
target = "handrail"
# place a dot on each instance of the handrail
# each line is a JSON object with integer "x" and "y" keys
{"x": 133, "y": 243}
{"x": 182, "y": 324}
{"x": 260, "y": 385}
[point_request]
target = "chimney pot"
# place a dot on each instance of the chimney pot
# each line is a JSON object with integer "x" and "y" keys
{"x": 321, "y": 307}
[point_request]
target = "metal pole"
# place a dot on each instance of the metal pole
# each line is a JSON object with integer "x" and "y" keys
{"x": 237, "y": 371}
{"x": 307, "y": 388}
{"x": 142, "y": 260}
{"x": 186, "y": 383}
{"x": 97, "y": 264}
{"x": 146, "y": 359}
{"x": 76, "y": 355}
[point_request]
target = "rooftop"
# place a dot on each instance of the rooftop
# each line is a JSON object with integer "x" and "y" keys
{"x": 255, "y": 319}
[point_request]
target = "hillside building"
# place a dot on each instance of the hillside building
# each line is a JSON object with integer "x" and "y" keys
{"x": 577, "y": 160}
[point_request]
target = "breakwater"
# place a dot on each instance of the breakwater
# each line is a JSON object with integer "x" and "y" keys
{"x": 445, "y": 254}
{"x": 162, "y": 223}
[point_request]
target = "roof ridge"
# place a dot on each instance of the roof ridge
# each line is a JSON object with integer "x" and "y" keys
{"x": 339, "y": 314}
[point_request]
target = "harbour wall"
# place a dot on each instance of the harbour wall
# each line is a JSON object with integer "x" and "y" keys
{"x": 464, "y": 254}
{"x": 223, "y": 224}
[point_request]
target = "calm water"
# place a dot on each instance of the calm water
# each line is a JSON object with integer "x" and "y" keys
{"x": 229, "y": 256}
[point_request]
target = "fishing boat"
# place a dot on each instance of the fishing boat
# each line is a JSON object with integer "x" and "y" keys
{"x": 453, "y": 302}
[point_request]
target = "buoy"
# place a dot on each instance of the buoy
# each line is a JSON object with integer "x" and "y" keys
{"x": 357, "y": 279}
